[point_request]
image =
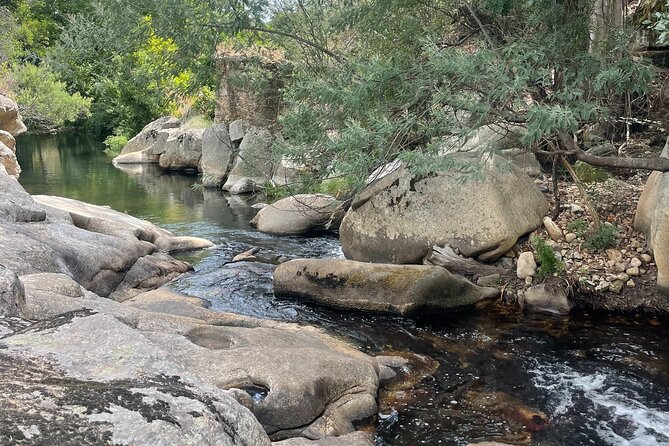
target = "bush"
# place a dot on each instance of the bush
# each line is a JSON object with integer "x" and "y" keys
{"x": 549, "y": 263}
{"x": 590, "y": 174}
{"x": 44, "y": 100}
{"x": 115, "y": 144}
{"x": 197, "y": 122}
{"x": 578, "y": 227}
{"x": 337, "y": 187}
{"x": 606, "y": 237}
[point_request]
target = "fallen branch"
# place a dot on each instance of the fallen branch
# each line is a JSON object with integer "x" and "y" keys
{"x": 457, "y": 264}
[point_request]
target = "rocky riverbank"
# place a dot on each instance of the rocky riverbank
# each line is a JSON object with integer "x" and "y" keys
{"x": 93, "y": 350}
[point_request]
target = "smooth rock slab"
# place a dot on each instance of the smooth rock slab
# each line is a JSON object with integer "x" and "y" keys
{"x": 108, "y": 221}
{"x": 399, "y": 289}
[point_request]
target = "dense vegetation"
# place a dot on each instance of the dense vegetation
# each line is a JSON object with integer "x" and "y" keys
{"x": 368, "y": 82}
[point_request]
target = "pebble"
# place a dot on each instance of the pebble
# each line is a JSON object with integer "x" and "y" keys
{"x": 614, "y": 255}
{"x": 528, "y": 280}
{"x": 623, "y": 276}
{"x": 570, "y": 237}
{"x": 634, "y": 271}
{"x": 630, "y": 283}
{"x": 646, "y": 258}
{"x": 635, "y": 262}
{"x": 577, "y": 255}
{"x": 553, "y": 230}
{"x": 616, "y": 286}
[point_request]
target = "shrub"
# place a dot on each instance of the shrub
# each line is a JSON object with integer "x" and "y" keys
{"x": 115, "y": 144}
{"x": 578, "y": 227}
{"x": 44, "y": 100}
{"x": 337, "y": 187}
{"x": 606, "y": 237}
{"x": 197, "y": 122}
{"x": 549, "y": 263}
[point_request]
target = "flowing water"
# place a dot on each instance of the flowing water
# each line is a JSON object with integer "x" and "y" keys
{"x": 493, "y": 374}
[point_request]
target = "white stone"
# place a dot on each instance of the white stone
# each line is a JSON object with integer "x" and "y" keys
{"x": 527, "y": 266}
{"x": 552, "y": 228}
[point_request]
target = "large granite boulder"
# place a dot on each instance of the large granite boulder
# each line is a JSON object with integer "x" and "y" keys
{"x": 10, "y": 118}
{"x": 296, "y": 380}
{"x": 400, "y": 289}
{"x": 502, "y": 138}
{"x": 181, "y": 151}
{"x": 255, "y": 160}
{"x": 480, "y": 206}
{"x": 298, "y": 214}
{"x": 147, "y": 137}
{"x": 217, "y": 154}
{"x": 652, "y": 218}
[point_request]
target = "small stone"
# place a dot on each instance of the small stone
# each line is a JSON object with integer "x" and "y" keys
{"x": 576, "y": 209}
{"x": 623, "y": 276}
{"x": 570, "y": 237}
{"x": 640, "y": 250}
{"x": 634, "y": 271}
{"x": 646, "y": 258}
{"x": 527, "y": 266}
{"x": 528, "y": 281}
{"x": 553, "y": 231}
{"x": 603, "y": 286}
{"x": 489, "y": 281}
{"x": 510, "y": 254}
{"x": 630, "y": 283}
{"x": 616, "y": 286}
{"x": 614, "y": 255}
{"x": 595, "y": 278}
{"x": 577, "y": 255}
{"x": 635, "y": 262}
{"x": 642, "y": 271}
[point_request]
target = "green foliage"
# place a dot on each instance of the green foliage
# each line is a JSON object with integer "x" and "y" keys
{"x": 337, "y": 187}
{"x": 578, "y": 227}
{"x": 274, "y": 193}
{"x": 549, "y": 263}
{"x": 44, "y": 100}
{"x": 115, "y": 143}
{"x": 197, "y": 122}
{"x": 659, "y": 23}
{"x": 590, "y": 174}
{"x": 606, "y": 237}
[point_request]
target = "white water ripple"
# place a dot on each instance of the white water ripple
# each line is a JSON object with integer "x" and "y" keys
{"x": 607, "y": 402}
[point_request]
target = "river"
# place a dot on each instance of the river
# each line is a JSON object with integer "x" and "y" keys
{"x": 491, "y": 374}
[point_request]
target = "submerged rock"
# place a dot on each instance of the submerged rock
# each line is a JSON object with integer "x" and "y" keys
{"x": 400, "y": 289}
{"x": 400, "y": 217}
{"x": 298, "y": 214}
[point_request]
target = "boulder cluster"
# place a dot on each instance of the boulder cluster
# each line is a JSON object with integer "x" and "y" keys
{"x": 236, "y": 157}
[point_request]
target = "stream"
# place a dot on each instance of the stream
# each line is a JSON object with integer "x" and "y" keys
{"x": 488, "y": 375}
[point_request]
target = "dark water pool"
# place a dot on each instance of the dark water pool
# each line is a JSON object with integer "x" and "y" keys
{"x": 494, "y": 374}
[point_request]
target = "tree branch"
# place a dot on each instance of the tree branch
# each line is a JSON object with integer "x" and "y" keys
{"x": 297, "y": 38}
{"x": 659, "y": 163}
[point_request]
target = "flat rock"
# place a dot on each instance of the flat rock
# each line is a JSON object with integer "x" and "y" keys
{"x": 108, "y": 221}
{"x": 547, "y": 299}
{"x": 400, "y": 289}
